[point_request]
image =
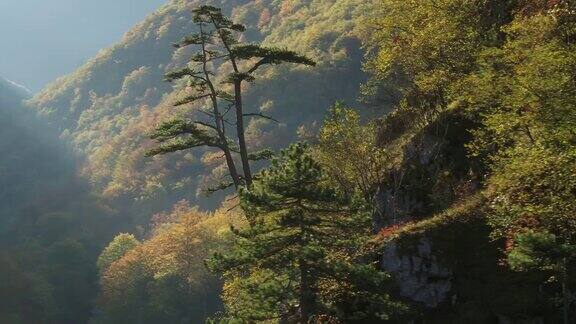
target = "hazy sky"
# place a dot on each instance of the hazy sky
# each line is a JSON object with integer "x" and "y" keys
{"x": 43, "y": 39}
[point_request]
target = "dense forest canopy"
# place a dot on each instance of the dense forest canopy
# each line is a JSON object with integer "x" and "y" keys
{"x": 313, "y": 161}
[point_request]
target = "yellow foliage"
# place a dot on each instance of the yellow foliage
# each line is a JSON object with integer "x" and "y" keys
{"x": 177, "y": 249}
{"x": 348, "y": 152}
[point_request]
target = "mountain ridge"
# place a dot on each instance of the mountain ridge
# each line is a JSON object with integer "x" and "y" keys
{"x": 107, "y": 107}
{"x": 14, "y": 88}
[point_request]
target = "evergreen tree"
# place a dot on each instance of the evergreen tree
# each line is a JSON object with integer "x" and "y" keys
{"x": 295, "y": 263}
{"x": 217, "y": 39}
{"x": 543, "y": 251}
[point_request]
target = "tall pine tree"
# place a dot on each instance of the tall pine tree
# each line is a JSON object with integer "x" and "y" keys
{"x": 295, "y": 263}
{"x": 217, "y": 41}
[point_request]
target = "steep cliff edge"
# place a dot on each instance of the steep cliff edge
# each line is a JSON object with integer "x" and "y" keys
{"x": 431, "y": 232}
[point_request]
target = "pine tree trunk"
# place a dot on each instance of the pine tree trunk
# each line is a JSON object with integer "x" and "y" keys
{"x": 231, "y": 165}
{"x": 240, "y": 131}
{"x": 565, "y": 299}
{"x": 306, "y": 295}
{"x": 218, "y": 118}
{"x": 227, "y": 153}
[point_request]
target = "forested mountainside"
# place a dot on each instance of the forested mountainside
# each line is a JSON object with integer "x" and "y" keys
{"x": 476, "y": 206}
{"x": 109, "y": 106}
{"x": 51, "y": 228}
{"x": 440, "y": 190}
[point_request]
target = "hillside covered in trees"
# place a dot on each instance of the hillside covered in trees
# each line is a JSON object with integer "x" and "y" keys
{"x": 108, "y": 106}
{"x": 51, "y": 227}
{"x": 300, "y": 161}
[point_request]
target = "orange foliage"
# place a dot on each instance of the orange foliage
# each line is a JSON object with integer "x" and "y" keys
{"x": 392, "y": 230}
{"x": 264, "y": 18}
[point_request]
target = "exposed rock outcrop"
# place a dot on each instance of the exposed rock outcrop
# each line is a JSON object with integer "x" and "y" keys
{"x": 431, "y": 175}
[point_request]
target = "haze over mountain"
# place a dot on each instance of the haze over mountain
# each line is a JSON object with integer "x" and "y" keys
{"x": 42, "y": 40}
{"x": 45, "y": 208}
{"x": 423, "y": 159}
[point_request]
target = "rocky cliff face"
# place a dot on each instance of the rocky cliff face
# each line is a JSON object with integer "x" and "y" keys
{"x": 431, "y": 175}
{"x": 444, "y": 264}
{"x": 421, "y": 277}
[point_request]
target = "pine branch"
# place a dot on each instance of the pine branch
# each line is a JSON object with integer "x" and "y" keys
{"x": 261, "y": 116}
{"x": 240, "y": 76}
{"x": 265, "y": 154}
{"x": 172, "y": 129}
{"x": 221, "y": 186}
{"x": 190, "y": 99}
{"x": 268, "y": 55}
{"x": 179, "y": 74}
{"x": 214, "y": 15}
{"x": 194, "y": 39}
{"x": 228, "y": 109}
{"x": 178, "y": 135}
{"x": 206, "y": 125}
{"x": 225, "y": 96}
{"x": 175, "y": 146}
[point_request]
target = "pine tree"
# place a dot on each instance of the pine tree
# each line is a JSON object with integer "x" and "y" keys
{"x": 544, "y": 251}
{"x": 295, "y": 263}
{"x": 217, "y": 40}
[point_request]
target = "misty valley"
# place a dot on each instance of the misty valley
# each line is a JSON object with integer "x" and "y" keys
{"x": 292, "y": 161}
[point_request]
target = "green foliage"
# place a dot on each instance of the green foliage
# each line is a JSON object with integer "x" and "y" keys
{"x": 431, "y": 45}
{"x": 294, "y": 262}
{"x": 525, "y": 93}
{"x": 508, "y": 68}
{"x": 269, "y": 55}
{"x": 349, "y": 153}
{"x": 120, "y": 245}
{"x": 542, "y": 251}
{"x": 511, "y": 72}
